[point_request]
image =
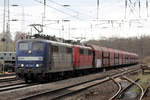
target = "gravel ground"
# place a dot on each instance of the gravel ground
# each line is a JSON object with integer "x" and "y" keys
{"x": 44, "y": 87}
{"x": 147, "y": 97}
{"x": 100, "y": 92}
{"x": 104, "y": 90}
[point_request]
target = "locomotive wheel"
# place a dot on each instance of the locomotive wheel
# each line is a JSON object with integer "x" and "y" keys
{"x": 41, "y": 79}
{"x": 26, "y": 80}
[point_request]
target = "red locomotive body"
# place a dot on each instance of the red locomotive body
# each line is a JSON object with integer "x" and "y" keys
{"x": 82, "y": 57}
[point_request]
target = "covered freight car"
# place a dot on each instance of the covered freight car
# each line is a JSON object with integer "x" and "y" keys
{"x": 108, "y": 58}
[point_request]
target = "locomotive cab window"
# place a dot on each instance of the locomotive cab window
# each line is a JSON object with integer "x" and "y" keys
{"x": 23, "y": 46}
{"x": 37, "y": 46}
{"x": 85, "y": 52}
{"x": 81, "y": 51}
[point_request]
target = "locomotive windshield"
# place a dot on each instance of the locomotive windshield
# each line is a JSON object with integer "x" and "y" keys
{"x": 37, "y": 46}
{"x": 23, "y": 46}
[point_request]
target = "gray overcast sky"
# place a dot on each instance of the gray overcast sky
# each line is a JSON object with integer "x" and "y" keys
{"x": 80, "y": 16}
{"x": 85, "y": 8}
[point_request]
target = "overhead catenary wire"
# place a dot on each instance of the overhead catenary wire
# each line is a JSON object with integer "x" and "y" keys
{"x": 77, "y": 12}
{"x": 63, "y": 6}
{"x": 58, "y": 10}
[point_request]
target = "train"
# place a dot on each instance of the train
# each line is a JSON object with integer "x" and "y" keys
{"x": 39, "y": 59}
{"x": 8, "y": 61}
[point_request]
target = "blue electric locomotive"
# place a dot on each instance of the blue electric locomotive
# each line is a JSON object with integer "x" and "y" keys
{"x": 30, "y": 57}
{"x": 36, "y": 59}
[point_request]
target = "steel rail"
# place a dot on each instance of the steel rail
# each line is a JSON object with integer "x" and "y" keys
{"x": 5, "y": 75}
{"x": 8, "y": 79}
{"x": 13, "y": 84}
{"x": 145, "y": 92}
{"x": 116, "y": 94}
{"x": 14, "y": 87}
{"x": 142, "y": 90}
{"x": 62, "y": 92}
{"x": 123, "y": 90}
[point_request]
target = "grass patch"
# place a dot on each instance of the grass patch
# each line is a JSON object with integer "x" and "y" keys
{"x": 135, "y": 89}
{"x": 144, "y": 82}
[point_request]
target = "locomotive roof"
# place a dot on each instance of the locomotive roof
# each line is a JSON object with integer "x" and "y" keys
{"x": 99, "y": 48}
{"x": 80, "y": 46}
{"x": 47, "y": 41}
{"x": 95, "y": 47}
{"x": 83, "y": 47}
{"x": 55, "y": 43}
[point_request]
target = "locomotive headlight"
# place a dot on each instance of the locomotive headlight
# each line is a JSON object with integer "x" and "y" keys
{"x": 29, "y": 51}
{"x": 22, "y": 65}
{"x": 37, "y": 65}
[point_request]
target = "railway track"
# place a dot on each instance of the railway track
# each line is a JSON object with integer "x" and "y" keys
{"x": 70, "y": 90}
{"x": 15, "y": 86}
{"x": 145, "y": 92}
{"x": 8, "y": 79}
{"x": 121, "y": 90}
{"x": 119, "y": 93}
{"x": 11, "y": 84}
{"x": 5, "y": 75}
{"x": 138, "y": 85}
